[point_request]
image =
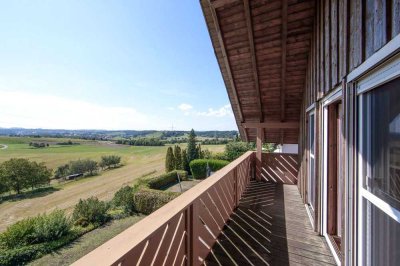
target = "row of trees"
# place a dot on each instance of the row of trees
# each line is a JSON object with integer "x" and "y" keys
{"x": 87, "y": 166}
{"x": 18, "y": 174}
{"x": 178, "y": 159}
{"x": 38, "y": 145}
{"x": 141, "y": 142}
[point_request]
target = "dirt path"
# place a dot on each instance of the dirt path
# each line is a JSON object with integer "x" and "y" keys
{"x": 103, "y": 187}
{"x": 3, "y": 146}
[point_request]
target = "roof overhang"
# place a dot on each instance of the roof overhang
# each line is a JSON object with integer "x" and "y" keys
{"x": 262, "y": 49}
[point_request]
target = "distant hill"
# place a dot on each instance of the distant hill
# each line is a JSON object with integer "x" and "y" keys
{"x": 112, "y": 134}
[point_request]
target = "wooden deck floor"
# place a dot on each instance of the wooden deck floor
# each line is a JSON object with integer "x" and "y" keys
{"x": 270, "y": 227}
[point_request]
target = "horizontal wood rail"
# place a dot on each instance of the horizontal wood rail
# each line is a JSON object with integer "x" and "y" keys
{"x": 183, "y": 231}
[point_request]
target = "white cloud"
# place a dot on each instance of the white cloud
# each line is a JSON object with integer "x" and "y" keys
{"x": 185, "y": 107}
{"x": 170, "y": 108}
{"x": 225, "y": 110}
{"x": 20, "y": 109}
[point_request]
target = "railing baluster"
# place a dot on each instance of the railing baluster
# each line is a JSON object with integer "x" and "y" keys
{"x": 194, "y": 233}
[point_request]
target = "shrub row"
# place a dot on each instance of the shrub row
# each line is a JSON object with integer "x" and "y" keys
{"x": 31, "y": 238}
{"x": 39, "y": 229}
{"x": 198, "y": 167}
{"x": 148, "y": 200}
{"x": 167, "y": 179}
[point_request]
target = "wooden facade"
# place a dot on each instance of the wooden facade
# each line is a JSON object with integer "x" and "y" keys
{"x": 288, "y": 62}
{"x": 325, "y": 75}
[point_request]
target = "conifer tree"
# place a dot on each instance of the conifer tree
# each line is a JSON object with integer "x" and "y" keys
{"x": 192, "y": 152}
{"x": 169, "y": 160}
{"x": 178, "y": 158}
{"x": 185, "y": 162}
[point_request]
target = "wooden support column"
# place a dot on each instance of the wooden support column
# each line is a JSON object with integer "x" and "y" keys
{"x": 260, "y": 140}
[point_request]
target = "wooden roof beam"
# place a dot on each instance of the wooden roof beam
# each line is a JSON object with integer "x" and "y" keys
{"x": 283, "y": 68}
{"x": 253, "y": 56}
{"x": 226, "y": 63}
{"x": 272, "y": 125}
{"x": 221, "y": 3}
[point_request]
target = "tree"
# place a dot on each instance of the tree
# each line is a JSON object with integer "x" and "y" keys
{"x": 169, "y": 160}
{"x": 62, "y": 171}
{"x": 185, "y": 162}
{"x": 192, "y": 152}
{"x": 40, "y": 175}
{"x": 234, "y": 149}
{"x": 199, "y": 152}
{"x": 110, "y": 160}
{"x": 91, "y": 166}
{"x": 18, "y": 173}
{"x": 178, "y": 158}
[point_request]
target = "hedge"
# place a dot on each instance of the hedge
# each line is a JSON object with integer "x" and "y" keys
{"x": 148, "y": 200}
{"x": 162, "y": 181}
{"x": 199, "y": 167}
{"x": 25, "y": 254}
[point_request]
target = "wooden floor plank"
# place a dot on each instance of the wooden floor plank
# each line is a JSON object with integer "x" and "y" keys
{"x": 265, "y": 230}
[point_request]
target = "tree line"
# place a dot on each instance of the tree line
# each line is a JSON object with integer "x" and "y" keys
{"x": 18, "y": 174}
{"x": 178, "y": 159}
{"x": 87, "y": 167}
{"x": 141, "y": 142}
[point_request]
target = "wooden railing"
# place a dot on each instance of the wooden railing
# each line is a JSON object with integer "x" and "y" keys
{"x": 280, "y": 168}
{"x": 183, "y": 231}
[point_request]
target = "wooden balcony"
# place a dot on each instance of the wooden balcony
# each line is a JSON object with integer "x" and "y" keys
{"x": 227, "y": 219}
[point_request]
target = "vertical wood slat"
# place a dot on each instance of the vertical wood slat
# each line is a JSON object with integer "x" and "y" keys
{"x": 321, "y": 48}
{"x": 355, "y": 45}
{"x": 395, "y": 18}
{"x": 343, "y": 38}
{"x": 380, "y": 25}
{"x": 369, "y": 27}
{"x": 327, "y": 49}
{"x": 334, "y": 42}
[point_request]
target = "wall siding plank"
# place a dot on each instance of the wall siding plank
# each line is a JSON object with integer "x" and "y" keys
{"x": 380, "y": 36}
{"x": 327, "y": 85}
{"x": 369, "y": 27}
{"x": 334, "y": 42}
{"x": 395, "y": 8}
{"x": 355, "y": 43}
{"x": 343, "y": 37}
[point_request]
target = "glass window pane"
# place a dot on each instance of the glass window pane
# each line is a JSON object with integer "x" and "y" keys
{"x": 381, "y": 234}
{"x": 381, "y": 142}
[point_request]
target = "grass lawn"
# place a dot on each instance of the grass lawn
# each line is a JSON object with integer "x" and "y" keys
{"x": 137, "y": 161}
{"x": 86, "y": 243}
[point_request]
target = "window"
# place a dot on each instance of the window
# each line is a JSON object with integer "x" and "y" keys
{"x": 311, "y": 161}
{"x": 379, "y": 174}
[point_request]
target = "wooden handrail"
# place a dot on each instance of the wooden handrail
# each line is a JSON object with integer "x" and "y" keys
{"x": 197, "y": 216}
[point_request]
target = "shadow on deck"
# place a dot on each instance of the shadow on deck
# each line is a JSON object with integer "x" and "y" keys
{"x": 269, "y": 227}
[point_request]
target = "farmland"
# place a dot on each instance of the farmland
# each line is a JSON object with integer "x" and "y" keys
{"x": 137, "y": 161}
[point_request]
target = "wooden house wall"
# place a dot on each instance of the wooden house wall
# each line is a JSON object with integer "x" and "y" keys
{"x": 345, "y": 34}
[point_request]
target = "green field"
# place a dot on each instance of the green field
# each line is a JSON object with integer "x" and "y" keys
{"x": 137, "y": 161}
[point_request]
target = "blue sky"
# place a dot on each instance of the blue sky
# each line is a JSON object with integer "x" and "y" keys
{"x": 109, "y": 65}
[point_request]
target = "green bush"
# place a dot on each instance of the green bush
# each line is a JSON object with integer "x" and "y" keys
{"x": 124, "y": 198}
{"x": 235, "y": 149}
{"x": 199, "y": 167}
{"x": 149, "y": 200}
{"x": 169, "y": 178}
{"x": 19, "y": 234}
{"x": 90, "y": 211}
{"x": 39, "y": 229}
{"x": 22, "y": 255}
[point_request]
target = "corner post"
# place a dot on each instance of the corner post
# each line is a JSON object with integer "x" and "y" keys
{"x": 260, "y": 140}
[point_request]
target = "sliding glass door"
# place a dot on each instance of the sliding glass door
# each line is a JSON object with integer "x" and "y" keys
{"x": 311, "y": 161}
{"x": 379, "y": 175}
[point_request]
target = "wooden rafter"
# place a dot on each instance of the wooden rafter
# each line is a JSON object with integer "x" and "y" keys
{"x": 253, "y": 57}
{"x": 272, "y": 125}
{"x": 283, "y": 66}
{"x": 220, "y": 3}
{"x": 226, "y": 63}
